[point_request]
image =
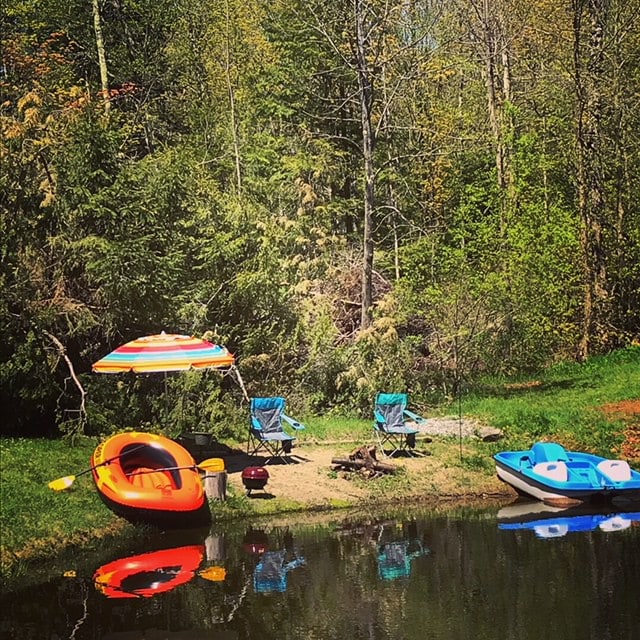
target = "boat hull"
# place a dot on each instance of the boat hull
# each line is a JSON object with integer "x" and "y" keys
{"x": 147, "y": 478}
{"x": 549, "y": 473}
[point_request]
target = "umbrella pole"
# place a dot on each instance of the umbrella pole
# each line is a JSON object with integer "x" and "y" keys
{"x": 166, "y": 401}
{"x": 236, "y": 373}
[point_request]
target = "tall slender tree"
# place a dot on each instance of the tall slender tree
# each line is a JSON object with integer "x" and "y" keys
{"x": 102, "y": 57}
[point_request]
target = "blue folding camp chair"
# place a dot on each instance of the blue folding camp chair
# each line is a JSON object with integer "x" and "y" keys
{"x": 266, "y": 429}
{"x": 390, "y": 425}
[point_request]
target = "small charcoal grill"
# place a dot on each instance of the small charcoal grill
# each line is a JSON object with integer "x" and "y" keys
{"x": 254, "y": 478}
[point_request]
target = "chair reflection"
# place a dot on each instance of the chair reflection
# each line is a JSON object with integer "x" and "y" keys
{"x": 270, "y": 574}
{"x": 271, "y": 571}
{"x": 394, "y": 558}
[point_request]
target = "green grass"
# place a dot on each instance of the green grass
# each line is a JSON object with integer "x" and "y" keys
{"x": 29, "y": 509}
{"x": 336, "y": 429}
{"x": 560, "y": 403}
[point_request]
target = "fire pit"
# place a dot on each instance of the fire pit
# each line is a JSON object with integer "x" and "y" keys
{"x": 254, "y": 478}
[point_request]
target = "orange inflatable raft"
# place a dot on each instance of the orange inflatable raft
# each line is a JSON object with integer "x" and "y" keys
{"x": 149, "y": 574}
{"x": 147, "y": 478}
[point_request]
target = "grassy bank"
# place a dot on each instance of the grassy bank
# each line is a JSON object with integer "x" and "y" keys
{"x": 595, "y": 407}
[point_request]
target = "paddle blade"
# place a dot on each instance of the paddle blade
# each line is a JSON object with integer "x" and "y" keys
{"x": 61, "y": 483}
{"x": 215, "y": 574}
{"x": 211, "y": 464}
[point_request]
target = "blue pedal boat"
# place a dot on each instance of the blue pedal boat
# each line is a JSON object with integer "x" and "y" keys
{"x": 550, "y": 473}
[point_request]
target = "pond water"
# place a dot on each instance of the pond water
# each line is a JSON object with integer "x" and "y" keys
{"x": 481, "y": 573}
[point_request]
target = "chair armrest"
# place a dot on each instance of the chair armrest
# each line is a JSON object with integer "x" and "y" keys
{"x": 298, "y": 562}
{"x": 294, "y": 423}
{"x": 414, "y": 416}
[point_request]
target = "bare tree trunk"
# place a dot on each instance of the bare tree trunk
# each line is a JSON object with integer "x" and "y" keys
{"x": 492, "y": 54}
{"x": 102, "y": 58}
{"x": 232, "y": 104}
{"x": 492, "y": 16}
{"x": 81, "y": 411}
{"x": 588, "y": 62}
{"x": 365, "y": 86}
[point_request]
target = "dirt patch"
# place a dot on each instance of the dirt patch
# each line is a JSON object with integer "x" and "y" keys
{"x": 627, "y": 411}
{"x": 306, "y": 478}
{"x": 623, "y": 410}
{"x": 310, "y": 477}
{"x": 458, "y": 427}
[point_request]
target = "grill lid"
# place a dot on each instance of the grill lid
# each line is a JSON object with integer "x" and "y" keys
{"x": 255, "y": 473}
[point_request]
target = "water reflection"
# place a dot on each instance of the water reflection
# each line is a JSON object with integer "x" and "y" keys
{"x": 411, "y": 575}
{"x": 394, "y": 560}
{"x": 149, "y": 574}
{"x": 271, "y": 572}
{"x": 550, "y": 522}
{"x": 273, "y": 565}
{"x": 160, "y": 634}
{"x": 395, "y": 544}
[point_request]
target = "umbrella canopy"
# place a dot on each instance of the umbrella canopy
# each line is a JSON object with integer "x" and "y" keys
{"x": 164, "y": 352}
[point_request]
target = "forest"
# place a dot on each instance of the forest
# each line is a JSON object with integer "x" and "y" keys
{"x": 350, "y": 195}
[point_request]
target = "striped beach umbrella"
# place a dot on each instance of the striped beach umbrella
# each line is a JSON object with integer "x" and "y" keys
{"x": 164, "y": 352}
{"x": 167, "y": 352}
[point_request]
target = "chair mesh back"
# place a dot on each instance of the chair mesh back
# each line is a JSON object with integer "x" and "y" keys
{"x": 267, "y": 412}
{"x": 269, "y": 419}
{"x": 393, "y": 415}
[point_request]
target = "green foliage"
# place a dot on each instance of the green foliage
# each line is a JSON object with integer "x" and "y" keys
{"x": 223, "y": 194}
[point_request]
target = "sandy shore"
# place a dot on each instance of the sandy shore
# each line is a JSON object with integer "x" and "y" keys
{"x": 312, "y": 480}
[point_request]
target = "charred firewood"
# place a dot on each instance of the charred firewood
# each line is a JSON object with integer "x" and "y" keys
{"x": 364, "y": 459}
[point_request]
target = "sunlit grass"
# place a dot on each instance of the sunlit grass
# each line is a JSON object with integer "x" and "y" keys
{"x": 29, "y": 508}
{"x": 335, "y": 428}
{"x": 563, "y": 401}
